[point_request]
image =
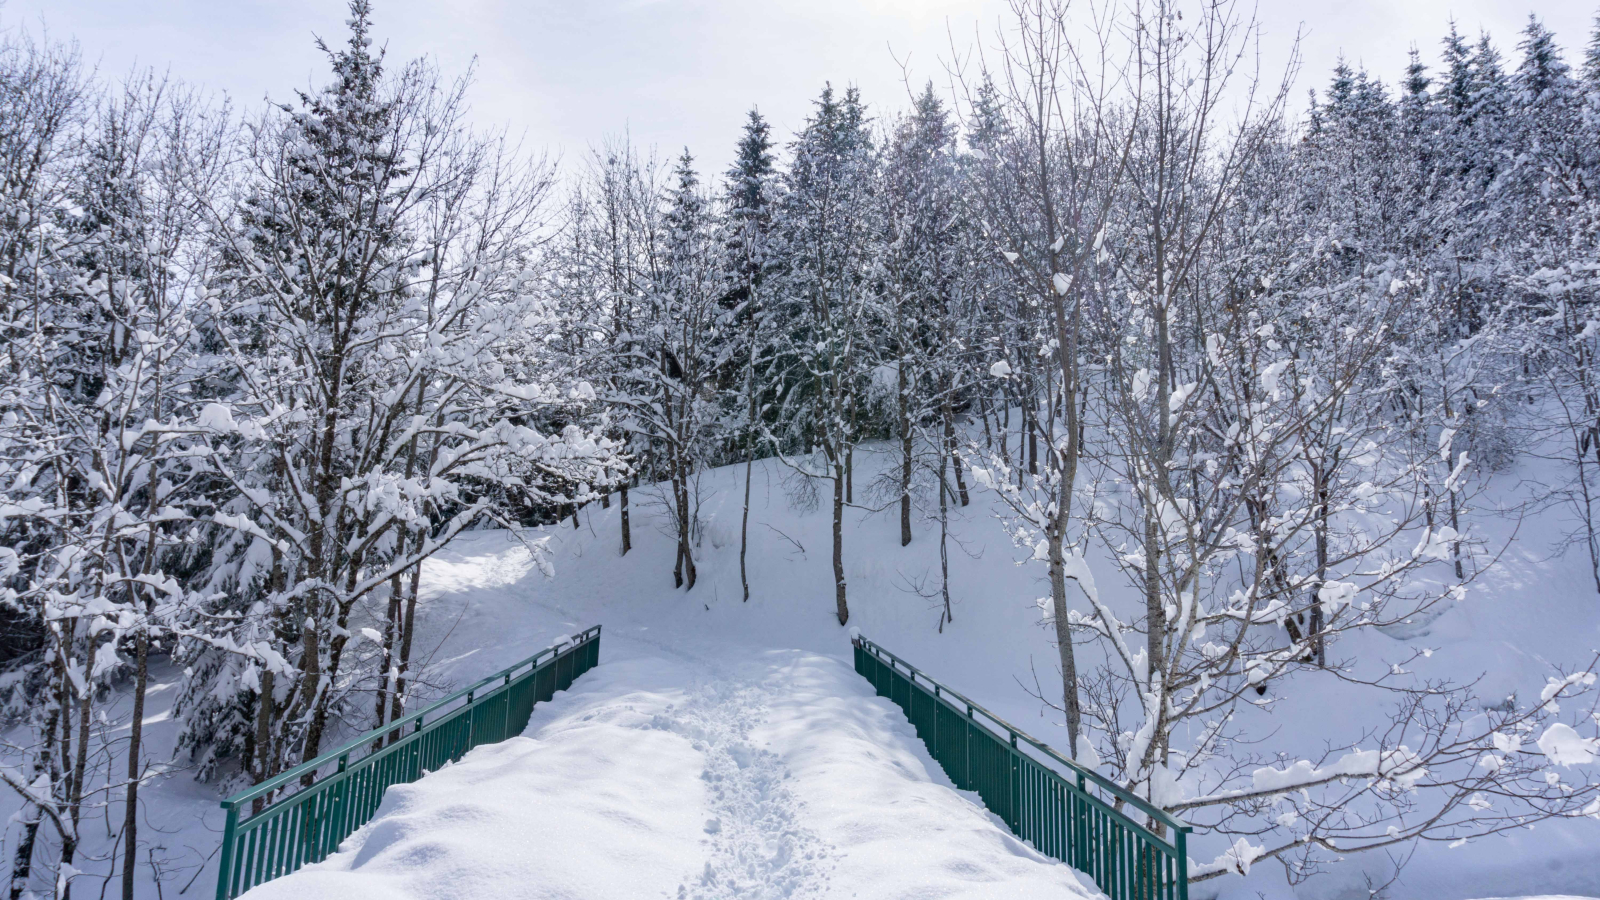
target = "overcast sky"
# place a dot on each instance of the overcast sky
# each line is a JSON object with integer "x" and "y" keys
{"x": 566, "y": 73}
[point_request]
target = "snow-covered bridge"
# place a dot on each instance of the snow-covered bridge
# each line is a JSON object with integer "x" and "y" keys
{"x": 755, "y": 774}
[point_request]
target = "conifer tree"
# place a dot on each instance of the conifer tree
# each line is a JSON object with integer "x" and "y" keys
{"x": 372, "y": 385}
{"x": 751, "y": 200}
{"x": 829, "y": 229}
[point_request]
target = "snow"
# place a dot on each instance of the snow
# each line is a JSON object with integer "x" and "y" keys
{"x": 1398, "y": 765}
{"x": 216, "y": 417}
{"x": 1180, "y": 395}
{"x": 1237, "y": 859}
{"x": 1335, "y": 594}
{"x": 812, "y": 762}
{"x": 1563, "y": 744}
{"x": 751, "y": 774}
{"x": 996, "y": 647}
{"x": 1270, "y": 376}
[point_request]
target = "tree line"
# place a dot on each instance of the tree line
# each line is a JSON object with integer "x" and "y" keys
{"x": 1251, "y": 365}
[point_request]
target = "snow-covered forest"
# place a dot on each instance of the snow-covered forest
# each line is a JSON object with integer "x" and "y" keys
{"x": 1251, "y": 384}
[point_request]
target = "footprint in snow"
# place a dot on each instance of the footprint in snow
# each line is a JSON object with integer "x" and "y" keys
{"x": 758, "y": 848}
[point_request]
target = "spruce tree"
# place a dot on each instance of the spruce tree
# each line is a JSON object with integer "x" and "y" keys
{"x": 828, "y": 226}
{"x": 750, "y": 205}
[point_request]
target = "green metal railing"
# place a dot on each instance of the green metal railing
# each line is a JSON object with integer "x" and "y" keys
{"x": 297, "y": 829}
{"x": 1066, "y": 810}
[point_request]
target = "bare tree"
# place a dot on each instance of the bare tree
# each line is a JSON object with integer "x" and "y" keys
{"x": 1046, "y": 188}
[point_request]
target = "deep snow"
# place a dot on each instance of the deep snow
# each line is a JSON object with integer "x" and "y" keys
{"x": 752, "y": 774}
{"x": 768, "y": 682}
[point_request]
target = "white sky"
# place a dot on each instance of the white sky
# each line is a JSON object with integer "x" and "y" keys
{"x": 566, "y": 73}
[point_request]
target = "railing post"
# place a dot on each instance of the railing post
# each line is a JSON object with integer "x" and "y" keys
{"x": 1180, "y": 843}
{"x": 966, "y": 750}
{"x": 505, "y": 729}
{"x": 1080, "y": 825}
{"x": 341, "y": 812}
{"x": 230, "y": 833}
{"x": 1016, "y": 787}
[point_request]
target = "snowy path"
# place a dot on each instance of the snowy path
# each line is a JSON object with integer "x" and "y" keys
{"x": 756, "y": 774}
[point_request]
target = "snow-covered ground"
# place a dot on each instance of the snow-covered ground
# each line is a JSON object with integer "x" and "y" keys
{"x": 748, "y": 774}
{"x": 726, "y": 749}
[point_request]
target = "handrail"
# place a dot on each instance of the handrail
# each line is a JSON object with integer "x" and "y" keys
{"x": 1100, "y": 781}
{"x": 504, "y": 675}
{"x": 278, "y": 834}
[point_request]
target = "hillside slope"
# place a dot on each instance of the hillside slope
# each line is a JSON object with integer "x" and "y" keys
{"x": 1533, "y": 609}
{"x": 844, "y": 797}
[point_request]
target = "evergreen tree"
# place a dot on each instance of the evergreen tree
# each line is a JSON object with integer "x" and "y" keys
{"x": 829, "y": 228}
{"x": 1456, "y": 94}
{"x": 752, "y": 257}
{"x": 1589, "y": 86}
{"x": 686, "y": 321}
{"x": 920, "y": 268}
{"x": 375, "y": 401}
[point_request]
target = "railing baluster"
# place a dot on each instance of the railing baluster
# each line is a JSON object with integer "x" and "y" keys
{"x": 1054, "y": 810}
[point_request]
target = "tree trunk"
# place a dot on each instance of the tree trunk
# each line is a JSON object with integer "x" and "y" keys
{"x": 1154, "y": 610}
{"x": 263, "y": 761}
{"x": 311, "y": 672}
{"x": 1455, "y": 545}
{"x": 1318, "y": 644}
{"x": 80, "y": 766}
{"x": 905, "y": 460}
{"x": 1586, "y": 501}
{"x": 850, "y": 474}
{"x": 1068, "y": 660}
{"x": 1003, "y": 424}
{"x": 130, "y": 821}
{"x": 622, "y": 514}
{"x": 744, "y": 530}
{"x": 390, "y": 633}
{"x": 685, "y": 574}
{"x": 749, "y": 463}
{"x": 843, "y": 608}
{"x": 22, "y": 860}
{"x": 1031, "y": 421}
{"x": 407, "y": 630}
{"x": 944, "y": 546}
{"x": 955, "y": 455}
{"x": 43, "y": 763}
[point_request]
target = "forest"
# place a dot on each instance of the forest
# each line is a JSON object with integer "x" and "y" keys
{"x": 1254, "y": 357}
